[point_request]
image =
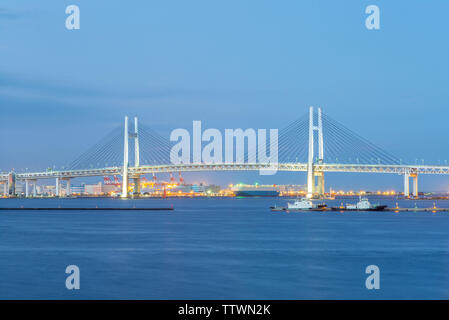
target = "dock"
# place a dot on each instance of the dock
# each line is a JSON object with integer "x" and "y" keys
{"x": 417, "y": 209}
{"x": 87, "y": 209}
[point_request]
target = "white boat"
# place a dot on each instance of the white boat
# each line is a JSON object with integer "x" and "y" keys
{"x": 364, "y": 205}
{"x": 305, "y": 204}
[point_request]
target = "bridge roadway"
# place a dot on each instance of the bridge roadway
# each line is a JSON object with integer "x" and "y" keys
{"x": 145, "y": 169}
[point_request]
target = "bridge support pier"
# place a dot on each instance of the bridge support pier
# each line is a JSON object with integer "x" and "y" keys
{"x": 125, "y": 183}
{"x": 310, "y": 182}
{"x": 407, "y": 177}
{"x": 319, "y": 189}
{"x": 27, "y": 188}
{"x": 58, "y": 187}
{"x": 415, "y": 185}
{"x": 406, "y": 185}
{"x": 67, "y": 189}
{"x": 34, "y": 188}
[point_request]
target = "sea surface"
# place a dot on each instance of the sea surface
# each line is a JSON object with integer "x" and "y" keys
{"x": 221, "y": 249}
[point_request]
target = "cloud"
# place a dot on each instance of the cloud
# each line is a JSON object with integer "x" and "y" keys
{"x": 23, "y": 86}
{"x": 47, "y": 88}
{"x": 32, "y": 99}
{"x": 6, "y": 14}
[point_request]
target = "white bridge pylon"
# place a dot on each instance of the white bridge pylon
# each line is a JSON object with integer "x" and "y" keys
{"x": 312, "y": 188}
{"x": 127, "y": 135}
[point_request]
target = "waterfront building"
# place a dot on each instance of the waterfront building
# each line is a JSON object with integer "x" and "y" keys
{"x": 77, "y": 189}
{"x": 212, "y": 189}
{"x": 12, "y": 183}
{"x": 183, "y": 188}
{"x": 49, "y": 190}
{"x": 198, "y": 188}
{"x": 93, "y": 189}
{"x": 110, "y": 189}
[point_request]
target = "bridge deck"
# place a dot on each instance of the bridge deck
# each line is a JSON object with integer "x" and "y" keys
{"x": 325, "y": 167}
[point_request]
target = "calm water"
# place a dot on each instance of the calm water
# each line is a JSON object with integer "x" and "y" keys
{"x": 221, "y": 249}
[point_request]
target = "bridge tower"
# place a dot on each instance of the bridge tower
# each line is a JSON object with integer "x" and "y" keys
{"x": 313, "y": 189}
{"x": 136, "y": 177}
{"x": 133, "y": 135}
{"x": 125, "y": 161}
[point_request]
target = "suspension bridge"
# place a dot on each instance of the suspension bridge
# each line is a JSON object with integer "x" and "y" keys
{"x": 314, "y": 143}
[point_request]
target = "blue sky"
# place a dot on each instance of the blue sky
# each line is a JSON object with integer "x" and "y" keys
{"x": 231, "y": 64}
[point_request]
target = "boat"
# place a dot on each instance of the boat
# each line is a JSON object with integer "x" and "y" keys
{"x": 302, "y": 204}
{"x": 277, "y": 209}
{"x": 242, "y": 190}
{"x": 362, "y": 205}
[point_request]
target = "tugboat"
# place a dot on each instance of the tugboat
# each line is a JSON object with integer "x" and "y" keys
{"x": 362, "y": 205}
{"x": 303, "y": 204}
